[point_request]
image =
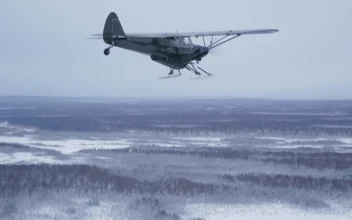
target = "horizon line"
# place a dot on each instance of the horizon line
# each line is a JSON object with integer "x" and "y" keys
{"x": 173, "y": 98}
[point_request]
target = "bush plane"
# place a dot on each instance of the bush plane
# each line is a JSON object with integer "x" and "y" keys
{"x": 173, "y": 50}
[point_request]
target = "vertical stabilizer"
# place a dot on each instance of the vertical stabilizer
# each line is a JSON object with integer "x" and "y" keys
{"x": 113, "y": 29}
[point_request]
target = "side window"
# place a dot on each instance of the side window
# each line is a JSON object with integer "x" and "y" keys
{"x": 176, "y": 49}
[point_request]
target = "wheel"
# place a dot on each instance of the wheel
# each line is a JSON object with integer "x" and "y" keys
{"x": 107, "y": 52}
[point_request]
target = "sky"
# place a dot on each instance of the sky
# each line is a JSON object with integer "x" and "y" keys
{"x": 44, "y": 50}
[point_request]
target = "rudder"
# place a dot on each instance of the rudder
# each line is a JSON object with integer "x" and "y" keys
{"x": 113, "y": 28}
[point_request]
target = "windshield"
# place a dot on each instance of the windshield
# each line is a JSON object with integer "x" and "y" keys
{"x": 184, "y": 41}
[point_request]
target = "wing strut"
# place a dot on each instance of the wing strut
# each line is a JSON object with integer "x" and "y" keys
{"x": 222, "y": 41}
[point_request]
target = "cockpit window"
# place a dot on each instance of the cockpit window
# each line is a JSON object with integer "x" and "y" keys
{"x": 184, "y": 41}
{"x": 183, "y": 44}
{"x": 181, "y": 41}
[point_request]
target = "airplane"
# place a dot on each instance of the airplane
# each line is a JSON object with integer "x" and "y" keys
{"x": 173, "y": 50}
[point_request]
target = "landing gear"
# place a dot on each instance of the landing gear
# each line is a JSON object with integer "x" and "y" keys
{"x": 107, "y": 51}
{"x": 171, "y": 75}
{"x": 198, "y": 73}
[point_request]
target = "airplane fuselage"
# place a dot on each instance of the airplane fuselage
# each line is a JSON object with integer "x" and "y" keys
{"x": 163, "y": 51}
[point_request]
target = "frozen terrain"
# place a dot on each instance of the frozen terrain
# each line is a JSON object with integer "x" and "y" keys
{"x": 64, "y": 158}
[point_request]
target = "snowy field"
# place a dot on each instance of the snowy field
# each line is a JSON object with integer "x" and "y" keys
{"x": 191, "y": 159}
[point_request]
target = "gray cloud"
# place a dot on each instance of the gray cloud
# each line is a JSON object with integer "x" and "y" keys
{"x": 44, "y": 50}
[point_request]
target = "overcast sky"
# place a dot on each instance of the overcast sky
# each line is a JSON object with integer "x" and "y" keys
{"x": 44, "y": 50}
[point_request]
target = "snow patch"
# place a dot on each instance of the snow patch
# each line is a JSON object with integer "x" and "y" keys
{"x": 263, "y": 212}
{"x": 27, "y": 158}
{"x": 292, "y": 146}
{"x": 67, "y": 146}
{"x": 17, "y": 129}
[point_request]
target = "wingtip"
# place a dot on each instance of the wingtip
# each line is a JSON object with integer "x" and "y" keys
{"x": 272, "y": 31}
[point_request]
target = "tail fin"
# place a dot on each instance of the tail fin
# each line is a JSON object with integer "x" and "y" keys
{"x": 113, "y": 29}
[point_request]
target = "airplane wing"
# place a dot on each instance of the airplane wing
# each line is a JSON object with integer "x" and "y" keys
{"x": 206, "y": 33}
{"x": 199, "y": 34}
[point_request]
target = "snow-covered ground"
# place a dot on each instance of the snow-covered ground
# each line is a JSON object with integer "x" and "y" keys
{"x": 206, "y": 159}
